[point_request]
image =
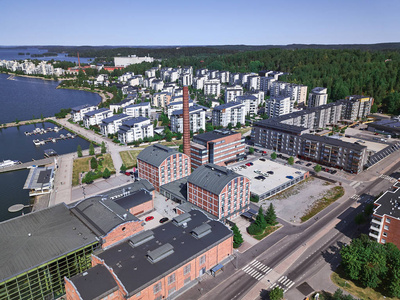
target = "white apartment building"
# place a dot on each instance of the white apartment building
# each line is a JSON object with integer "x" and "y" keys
{"x": 176, "y": 105}
{"x": 134, "y": 129}
{"x": 234, "y": 79}
{"x": 198, "y": 82}
{"x": 78, "y": 112}
{"x": 253, "y": 82}
{"x": 318, "y": 97}
{"x": 231, "y": 92}
{"x": 224, "y": 76}
{"x": 278, "y": 106}
{"x": 135, "y": 80}
{"x": 115, "y": 107}
{"x": 157, "y": 85}
{"x": 213, "y": 74}
{"x": 260, "y": 95}
{"x": 197, "y": 116}
{"x": 151, "y": 72}
{"x": 161, "y": 99}
{"x": 231, "y": 112}
{"x": 125, "y": 77}
{"x": 212, "y": 87}
{"x": 250, "y": 103}
{"x": 95, "y": 117}
{"x": 201, "y": 72}
{"x": 296, "y": 92}
{"x": 111, "y": 125}
{"x": 124, "y": 61}
{"x": 147, "y": 81}
{"x": 266, "y": 83}
{"x": 186, "y": 79}
{"x": 141, "y": 109}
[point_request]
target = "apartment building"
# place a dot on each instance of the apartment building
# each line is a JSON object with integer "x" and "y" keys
{"x": 234, "y": 79}
{"x": 212, "y": 87}
{"x": 296, "y": 92}
{"x": 266, "y": 83}
{"x": 131, "y": 60}
{"x": 213, "y": 74}
{"x": 186, "y": 79}
{"x": 253, "y": 82}
{"x": 201, "y": 72}
{"x": 111, "y": 125}
{"x": 361, "y": 105}
{"x": 198, "y": 82}
{"x": 317, "y": 97}
{"x": 224, "y": 76}
{"x": 231, "y": 92}
{"x": 176, "y": 105}
{"x": 95, "y": 117}
{"x": 160, "y": 165}
{"x": 152, "y": 264}
{"x": 229, "y": 113}
{"x": 135, "y": 129}
{"x": 278, "y": 106}
{"x": 219, "y": 191}
{"x": 78, "y": 112}
{"x": 385, "y": 222}
{"x": 250, "y": 103}
{"x": 141, "y": 109}
{"x": 197, "y": 115}
{"x": 219, "y": 147}
{"x": 116, "y": 107}
{"x": 161, "y": 99}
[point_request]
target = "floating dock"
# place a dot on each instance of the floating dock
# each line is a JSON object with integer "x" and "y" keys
{"x": 42, "y": 131}
{"x": 38, "y": 142}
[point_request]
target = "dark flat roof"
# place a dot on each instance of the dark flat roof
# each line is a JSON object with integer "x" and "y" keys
{"x": 389, "y": 204}
{"x": 135, "y": 271}
{"x": 213, "y": 135}
{"x": 177, "y": 188}
{"x": 95, "y": 283}
{"x": 114, "y": 118}
{"x": 134, "y": 199}
{"x": 227, "y": 105}
{"x": 95, "y": 112}
{"x": 36, "y": 238}
{"x": 333, "y": 141}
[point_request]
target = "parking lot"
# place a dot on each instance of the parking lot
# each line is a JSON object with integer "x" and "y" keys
{"x": 268, "y": 176}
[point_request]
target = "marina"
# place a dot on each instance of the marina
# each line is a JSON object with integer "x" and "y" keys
{"x": 42, "y": 130}
{"x": 38, "y": 142}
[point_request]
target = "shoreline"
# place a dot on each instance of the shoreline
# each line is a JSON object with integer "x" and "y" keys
{"x": 100, "y": 93}
{"x": 28, "y": 76}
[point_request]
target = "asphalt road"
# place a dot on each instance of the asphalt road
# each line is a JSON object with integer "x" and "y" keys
{"x": 277, "y": 248}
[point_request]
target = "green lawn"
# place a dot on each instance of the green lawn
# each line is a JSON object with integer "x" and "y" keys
{"x": 243, "y": 130}
{"x": 129, "y": 158}
{"x": 267, "y": 232}
{"x": 83, "y": 165}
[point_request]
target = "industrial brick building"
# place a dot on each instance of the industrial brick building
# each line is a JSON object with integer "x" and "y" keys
{"x": 219, "y": 147}
{"x": 157, "y": 263}
{"x": 385, "y": 223}
{"x": 160, "y": 165}
{"x": 219, "y": 191}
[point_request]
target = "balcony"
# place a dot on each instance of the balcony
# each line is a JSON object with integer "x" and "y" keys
{"x": 377, "y": 221}
{"x": 374, "y": 235}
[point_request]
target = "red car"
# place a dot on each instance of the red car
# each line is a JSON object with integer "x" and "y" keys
{"x": 127, "y": 174}
{"x": 248, "y": 164}
{"x": 149, "y": 218}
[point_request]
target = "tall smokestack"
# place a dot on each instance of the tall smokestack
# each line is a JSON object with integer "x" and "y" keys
{"x": 186, "y": 122}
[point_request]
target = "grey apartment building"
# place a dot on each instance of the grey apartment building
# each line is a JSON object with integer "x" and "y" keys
{"x": 291, "y": 134}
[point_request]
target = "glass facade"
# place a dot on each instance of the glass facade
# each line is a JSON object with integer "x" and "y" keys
{"x": 47, "y": 281}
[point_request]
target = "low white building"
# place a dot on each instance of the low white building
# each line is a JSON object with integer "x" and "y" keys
{"x": 111, "y": 125}
{"x": 232, "y": 112}
{"x": 197, "y": 115}
{"x": 278, "y": 106}
{"x": 116, "y": 107}
{"x": 212, "y": 87}
{"x": 231, "y": 92}
{"x": 134, "y": 129}
{"x": 78, "y": 112}
{"x": 95, "y": 117}
{"x": 141, "y": 109}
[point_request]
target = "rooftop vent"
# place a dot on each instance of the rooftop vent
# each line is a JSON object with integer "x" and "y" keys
{"x": 201, "y": 231}
{"x": 141, "y": 238}
{"x": 182, "y": 220}
{"x": 160, "y": 253}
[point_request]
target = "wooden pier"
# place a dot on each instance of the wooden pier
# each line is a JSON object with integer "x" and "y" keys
{"x": 39, "y": 162}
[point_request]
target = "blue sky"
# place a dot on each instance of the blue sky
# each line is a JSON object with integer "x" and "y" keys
{"x": 191, "y": 22}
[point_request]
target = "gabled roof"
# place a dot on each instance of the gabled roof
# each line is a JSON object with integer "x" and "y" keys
{"x": 212, "y": 178}
{"x": 156, "y": 154}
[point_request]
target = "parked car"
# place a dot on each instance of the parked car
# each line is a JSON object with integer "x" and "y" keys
{"x": 251, "y": 163}
{"x": 298, "y": 162}
{"x": 127, "y": 174}
{"x": 289, "y": 177}
{"x": 149, "y": 218}
{"x": 262, "y": 159}
{"x": 248, "y": 164}
{"x": 298, "y": 172}
{"x": 309, "y": 164}
{"x": 163, "y": 220}
{"x": 271, "y": 172}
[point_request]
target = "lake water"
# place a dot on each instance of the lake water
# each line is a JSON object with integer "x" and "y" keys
{"x": 12, "y": 54}
{"x": 25, "y": 98}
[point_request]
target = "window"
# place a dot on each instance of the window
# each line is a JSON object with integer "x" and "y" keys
{"x": 157, "y": 288}
{"x": 186, "y": 269}
{"x": 384, "y": 234}
{"x": 387, "y": 220}
{"x": 386, "y": 227}
{"x": 202, "y": 260}
{"x": 383, "y": 241}
{"x": 171, "y": 279}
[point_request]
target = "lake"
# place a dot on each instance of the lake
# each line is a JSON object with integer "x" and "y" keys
{"x": 25, "y": 98}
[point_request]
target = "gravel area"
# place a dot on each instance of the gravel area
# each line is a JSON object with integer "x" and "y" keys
{"x": 291, "y": 204}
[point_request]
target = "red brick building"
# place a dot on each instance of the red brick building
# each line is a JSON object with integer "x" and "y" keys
{"x": 219, "y": 191}
{"x": 157, "y": 263}
{"x": 219, "y": 147}
{"x": 385, "y": 223}
{"x": 160, "y": 165}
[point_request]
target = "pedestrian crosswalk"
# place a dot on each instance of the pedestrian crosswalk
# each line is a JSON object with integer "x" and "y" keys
{"x": 391, "y": 179}
{"x": 284, "y": 283}
{"x": 257, "y": 269}
{"x": 356, "y": 197}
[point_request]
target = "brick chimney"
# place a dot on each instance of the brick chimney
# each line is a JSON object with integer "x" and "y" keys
{"x": 186, "y": 122}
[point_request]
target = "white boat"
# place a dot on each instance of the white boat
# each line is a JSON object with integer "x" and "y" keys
{"x": 9, "y": 163}
{"x": 36, "y": 142}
